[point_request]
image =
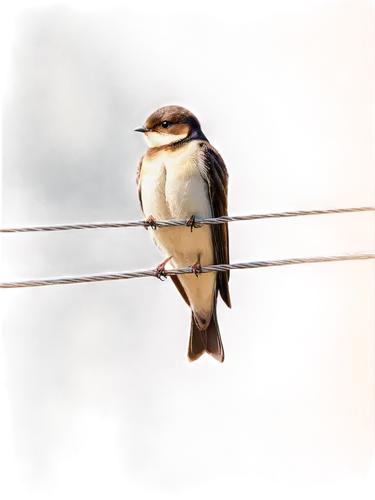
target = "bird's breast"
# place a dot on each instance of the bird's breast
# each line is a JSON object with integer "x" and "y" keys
{"x": 153, "y": 181}
{"x": 172, "y": 188}
{"x": 186, "y": 192}
{"x": 172, "y": 185}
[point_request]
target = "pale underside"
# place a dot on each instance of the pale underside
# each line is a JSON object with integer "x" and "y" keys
{"x": 172, "y": 188}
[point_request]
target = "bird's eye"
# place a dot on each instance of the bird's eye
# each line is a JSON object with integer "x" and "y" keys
{"x": 165, "y": 124}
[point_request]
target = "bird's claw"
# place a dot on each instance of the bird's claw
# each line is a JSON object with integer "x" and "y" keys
{"x": 161, "y": 275}
{"x": 150, "y": 222}
{"x": 191, "y": 223}
{"x": 196, "y": 269}
{"x": 160, "y": 270}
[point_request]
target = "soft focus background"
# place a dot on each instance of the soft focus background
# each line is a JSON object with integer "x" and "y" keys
{"x": 99, "y": 400}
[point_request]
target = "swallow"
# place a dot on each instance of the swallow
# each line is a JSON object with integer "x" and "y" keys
{"x": 182, "y": 176}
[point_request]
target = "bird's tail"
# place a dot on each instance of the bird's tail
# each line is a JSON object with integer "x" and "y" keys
{"x": 208, "y": 340}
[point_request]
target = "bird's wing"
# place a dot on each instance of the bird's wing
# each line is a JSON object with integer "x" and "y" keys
{"x": 214, "y": 172}
{"x": 138, "y": 180}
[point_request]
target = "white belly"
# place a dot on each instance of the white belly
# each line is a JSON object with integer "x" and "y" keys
{"x": 153, "y": 192}
{"x": 172, "y": 188}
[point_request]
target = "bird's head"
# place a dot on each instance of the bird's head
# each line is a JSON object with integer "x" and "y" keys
{"x": 170, "y": 124}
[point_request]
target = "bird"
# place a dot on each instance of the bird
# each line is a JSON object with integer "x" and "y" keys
{"x": 182, "y": 176}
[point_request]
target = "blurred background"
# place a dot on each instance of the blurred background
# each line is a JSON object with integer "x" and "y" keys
{"x": 79, "y": 83}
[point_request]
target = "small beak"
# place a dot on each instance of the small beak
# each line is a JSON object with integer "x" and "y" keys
{"x": 142, "y": 129}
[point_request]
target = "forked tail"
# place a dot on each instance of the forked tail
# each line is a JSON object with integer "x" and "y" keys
{"x": 208, "y": 340}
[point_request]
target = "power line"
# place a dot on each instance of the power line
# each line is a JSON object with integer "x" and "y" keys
{"x": 187, "y": 270}
{"x": 165, "y": 223}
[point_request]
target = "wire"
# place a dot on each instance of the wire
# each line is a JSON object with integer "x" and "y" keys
{"x": 165, "y": 223}
{"x": 187, "y": 270}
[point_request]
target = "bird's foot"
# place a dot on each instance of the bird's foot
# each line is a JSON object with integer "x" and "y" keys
{"x": 191, "y": 223}
{"x": 196, "y": 269}
{"x": 150, "y": 222}
{"x": 160, "y": 270}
